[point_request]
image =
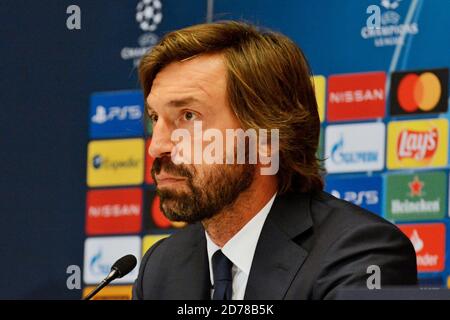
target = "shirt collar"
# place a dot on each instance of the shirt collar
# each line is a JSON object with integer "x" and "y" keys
{"x": 241, "y": 247}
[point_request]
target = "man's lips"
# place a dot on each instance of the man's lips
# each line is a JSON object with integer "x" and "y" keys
{"x": 164, "y": 179}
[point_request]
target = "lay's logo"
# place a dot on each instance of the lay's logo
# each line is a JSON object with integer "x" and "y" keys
{"x": 419, "y": 145}
{"x": 415, "y": 144}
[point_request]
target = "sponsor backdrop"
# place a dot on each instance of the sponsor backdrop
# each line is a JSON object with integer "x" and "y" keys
{"x": 383, "y": 101}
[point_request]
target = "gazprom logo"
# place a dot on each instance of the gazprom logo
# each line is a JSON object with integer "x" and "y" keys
{"x": 354, "y": 147}
{"x": 339, "y": 156}
{"x": 97, "y": 266}
{"x": 101, "y": 252}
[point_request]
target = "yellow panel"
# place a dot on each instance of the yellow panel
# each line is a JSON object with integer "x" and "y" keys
{"x": 110, "y": 293}
{"x": 115, "y": 162}
{"x": 320, "y": 86}
{"x": 417, "y": 143}
{"x": 150, "y": 240}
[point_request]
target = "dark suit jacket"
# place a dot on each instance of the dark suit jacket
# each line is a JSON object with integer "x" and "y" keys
{"x": 310, "y": 247}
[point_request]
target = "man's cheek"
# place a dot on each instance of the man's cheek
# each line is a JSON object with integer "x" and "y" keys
{"x": 182, "y": 151}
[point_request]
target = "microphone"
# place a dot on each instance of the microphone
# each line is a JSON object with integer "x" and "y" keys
{"x": 119, "y": 269}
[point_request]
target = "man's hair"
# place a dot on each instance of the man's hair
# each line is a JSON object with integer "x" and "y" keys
{"x": 269, "y": 86}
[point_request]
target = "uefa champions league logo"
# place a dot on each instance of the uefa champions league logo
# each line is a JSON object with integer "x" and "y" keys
{"x": 149, "y": 14}
{"x": 148, "y": 17}
{"x": 385, "y": 28}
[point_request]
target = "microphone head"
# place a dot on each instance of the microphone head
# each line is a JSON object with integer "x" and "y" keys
{"x": 124, "y": 265}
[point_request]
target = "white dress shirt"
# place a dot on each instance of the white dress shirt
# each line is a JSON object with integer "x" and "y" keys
{"x": 240, "y": 250}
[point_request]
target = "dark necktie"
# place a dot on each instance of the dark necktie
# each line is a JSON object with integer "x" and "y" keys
{"x": 221, "y": 266}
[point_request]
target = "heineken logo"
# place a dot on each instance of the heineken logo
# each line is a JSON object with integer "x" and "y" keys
{"x": 420, "y": 206}
{"x": 417, "y": 145}
{"x": 416, "y": 197}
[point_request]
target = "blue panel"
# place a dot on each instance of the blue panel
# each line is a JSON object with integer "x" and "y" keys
{"x": 116, "y": 114}
{"x": 365, "y": 192}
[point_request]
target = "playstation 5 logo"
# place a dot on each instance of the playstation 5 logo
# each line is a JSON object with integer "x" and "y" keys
{"x": 116, "y": 114}
{"x": 103, "y": 115}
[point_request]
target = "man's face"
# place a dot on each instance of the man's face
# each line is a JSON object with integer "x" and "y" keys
{"x": 183, "y": 93}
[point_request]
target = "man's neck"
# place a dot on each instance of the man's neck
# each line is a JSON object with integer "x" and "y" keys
{"x": 224, "y": 225}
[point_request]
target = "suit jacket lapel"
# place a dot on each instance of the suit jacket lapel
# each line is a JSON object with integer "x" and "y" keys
{"x": 277, "y": 257}
{"x": 190, "y": 278}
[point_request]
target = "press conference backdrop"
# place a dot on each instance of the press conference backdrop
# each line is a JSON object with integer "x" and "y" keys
{"x": 78, "y": 190}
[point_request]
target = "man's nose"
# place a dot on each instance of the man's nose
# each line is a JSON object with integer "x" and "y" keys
{"x": 161, "y": 144}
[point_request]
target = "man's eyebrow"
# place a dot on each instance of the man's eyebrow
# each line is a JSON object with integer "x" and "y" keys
{"x": 177, "y": 103}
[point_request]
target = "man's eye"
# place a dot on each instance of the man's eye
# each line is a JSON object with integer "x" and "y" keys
{"x": 189, "y": 116}
{"x": 153, "y": 117}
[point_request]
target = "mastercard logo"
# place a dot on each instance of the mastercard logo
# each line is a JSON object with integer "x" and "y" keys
{"x": 419, "y": 92}
{"x": 422, "y": 91}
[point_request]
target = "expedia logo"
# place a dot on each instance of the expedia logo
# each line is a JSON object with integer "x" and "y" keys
{"x": 418, "y": 145}
{"x": 418, "y": 92}
{"x": 115, "y": 162}
{"x": 98, "y": 162}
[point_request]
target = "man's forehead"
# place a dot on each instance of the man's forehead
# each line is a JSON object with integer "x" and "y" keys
{"x": 200, "y": 75}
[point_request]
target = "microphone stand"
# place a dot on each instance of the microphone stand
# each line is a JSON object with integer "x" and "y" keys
{"x": 111, "y": 276}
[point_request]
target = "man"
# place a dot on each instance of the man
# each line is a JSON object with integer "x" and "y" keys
{"x": 251, "y": 235}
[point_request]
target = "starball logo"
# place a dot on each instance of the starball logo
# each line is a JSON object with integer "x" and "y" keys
{"x": 417, "y": 143}
{"x": 148, "y": 17}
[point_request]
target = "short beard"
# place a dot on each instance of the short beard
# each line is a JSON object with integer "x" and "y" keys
{"x": 218, "y": 189}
